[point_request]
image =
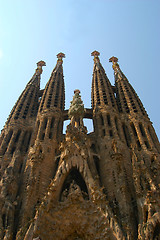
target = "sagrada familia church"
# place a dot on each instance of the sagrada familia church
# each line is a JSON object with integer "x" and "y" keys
{"x": 102, "y": 185}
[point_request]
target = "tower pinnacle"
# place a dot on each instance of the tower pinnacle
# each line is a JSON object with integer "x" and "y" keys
{"x": 60, "y": 57}
{"x": 114, "y": 61}
{"x": 40, "y": 64}
{"x": 95, "y": 54}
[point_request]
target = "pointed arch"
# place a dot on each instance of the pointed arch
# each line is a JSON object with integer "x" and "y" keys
{"x": 74, "y": 182}
{"x": 64, "y": 169}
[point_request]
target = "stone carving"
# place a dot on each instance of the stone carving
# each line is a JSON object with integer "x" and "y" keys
{"x": 79, "y": 185}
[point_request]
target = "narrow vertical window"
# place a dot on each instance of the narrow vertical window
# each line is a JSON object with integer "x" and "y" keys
{"x": 7, "y": 141}
{"x": 51, "y": 128}
{"x": 108, "y": 120}
{"x": 117, "y": 126}
{"x": 103, "y": 132}
{"x": 96, "y": 161}
{"x": 43, "y": 129}
{"x": 58, "y": 128}
{"x": 111, "y": 133}
{"x": 97, "y": 90}
{"x": 126, "y": 134}
{"x": 142, "y": 130}
{"x": 102, "y": 121}
{"x": 144, "y": 136}
{"x": 15, "y": 141}
{"x": 26, "y": 141}
{"x": 2, "y": 136}
{"x": 45, "y": 123}
{"x": 136, "y": 136}
{"x": 153, "y": 137}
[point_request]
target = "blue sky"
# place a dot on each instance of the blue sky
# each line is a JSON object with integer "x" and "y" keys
{"x": 36, "y": 30}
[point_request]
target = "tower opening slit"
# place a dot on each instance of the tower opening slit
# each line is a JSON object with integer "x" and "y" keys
{"x": 144, "y": 136}
{"x": 136, "y": 136}
{"x": 126, "y": 134}
{"x": 7, "y": 141}
{"x": 117, "y": 126}
{"x": 96, "y": 161}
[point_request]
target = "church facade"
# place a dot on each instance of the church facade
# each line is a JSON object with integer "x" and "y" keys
{"x": 101, "y": 185}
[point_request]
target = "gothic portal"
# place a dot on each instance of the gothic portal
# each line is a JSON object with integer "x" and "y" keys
{"x": 101, "y": 185}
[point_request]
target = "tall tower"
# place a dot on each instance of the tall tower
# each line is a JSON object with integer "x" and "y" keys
{"x": 15, "y": 141}
{"x": 114, "y": 153}
{"x": 41, "y": 165}
{"x": 18, "y": 129}
{"x": 79, "y": 185}
{"x": 145, "y": 159}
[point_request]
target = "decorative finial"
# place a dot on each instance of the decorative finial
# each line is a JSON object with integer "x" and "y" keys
{"x": 95, "y": 54}
{"x": 114, "y": 61}
{"x": 76, "y": 110}
{"x": 60, "y": 57}
{"x": 40, "y": 64}
{"x": 77, "y": 91}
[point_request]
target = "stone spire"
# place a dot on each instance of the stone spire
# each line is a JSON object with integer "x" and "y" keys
{"x": 52, "y": 104}
{"x": 127, "y": 99}
{"x": 39, "y": 69}
{"x": 130, "y": 104}
{"x": 48, "y": 131}
{"x": 27, "y": 104}
{"x": 102, "y": 92}
{"x": 53, "y": 96}
{"x": 16, "y": 134}
{"x": 104, "y": 104}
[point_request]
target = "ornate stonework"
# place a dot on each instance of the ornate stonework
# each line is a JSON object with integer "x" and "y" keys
{"x": 79, "y": 185}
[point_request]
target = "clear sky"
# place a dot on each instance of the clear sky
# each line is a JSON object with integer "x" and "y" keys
{"x": 36, "y": 30}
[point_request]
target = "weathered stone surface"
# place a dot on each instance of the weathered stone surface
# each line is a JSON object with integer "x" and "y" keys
{"x": 102, "y": 185}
